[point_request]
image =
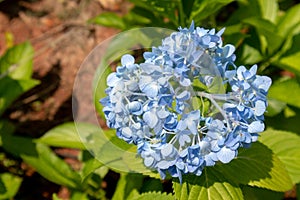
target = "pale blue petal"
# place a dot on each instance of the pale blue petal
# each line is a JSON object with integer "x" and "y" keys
{"x": 150, "y": 119}
{"x": 167, "y": 150}
{"x": 260, "y": 108}
{"x": 148, "y": 161}
{"x": 225, "y": 155}
{"x": 127, "y": 60}
{"x": 256, "y": 127}
{"x": 112, "y": 79}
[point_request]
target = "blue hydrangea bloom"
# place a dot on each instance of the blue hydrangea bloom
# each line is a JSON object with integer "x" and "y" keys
{"x": 152, "y": 104}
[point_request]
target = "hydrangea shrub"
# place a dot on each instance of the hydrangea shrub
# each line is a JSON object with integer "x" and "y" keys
{"x": 187, "y": 106}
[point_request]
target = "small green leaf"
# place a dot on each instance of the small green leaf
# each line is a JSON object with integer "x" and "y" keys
{"x": 286, "y": 146}
{"x": 9, "y": 185}
{"x": 267, "y": 32}
{"x": 291, "y": 62}
{"x": 274, "y": 107}
{"x": 11, "y": 89}
{"x": 289, "y": 21}
{"x": 161, "y": 8}
{"x": 55, "y": 197}
{"x": 90, "y": 164}
{"x": 204, "y": 8}
{"x": 109, "y": 19}
{"x": 268, "y": 9}
{"x": 286, "y": 91}
{"x": 126, "y": 185}
{"x": 67, "y": 135}
{"x": 40, "y": 157}
{"x": 17, "y": 61}
{"x": 210, "y": 185}
{"x": 257, "y": 166}
{"x": 154, "y": 195}
{"x": 76, "y": 195}
{"x": 119, "y": 156}
{"x": 250, "y": 55}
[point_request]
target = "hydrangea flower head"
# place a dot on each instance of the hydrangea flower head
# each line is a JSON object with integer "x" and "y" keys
{"x": 152, "y": 104}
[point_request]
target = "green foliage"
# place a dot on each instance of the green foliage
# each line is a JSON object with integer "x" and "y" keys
{"x": 9, "y": 185}
{"x": 286, "y": 146}
{"x": 264, "y": 32}
{"x": 210, "y": 185}
{"x": 15, "y": 74}
{"x": 248, "y": 169}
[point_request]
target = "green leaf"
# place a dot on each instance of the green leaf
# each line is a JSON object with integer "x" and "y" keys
{"x": 17, "y": 61}
{"x": 117, "y": 155}
{"x": 289, "y": 21}
{"x": 268, "y": 9}
{"x": 90, "y": 164}
{"x": 267, "y": 32}
{"x": 204, "y": 8}
{"x": 109, "y": 19}
{"x": 76, "y": 195}
{"x": 55, "y": 197}
{"x": 254, "y": 193}
{"x": 250, "y": 55}
{"x": 274, "y": 107}
{"x": 290, "y": 60}
{"x": 40, "y": 157}
{"x": 281, "y": 122}
{"x": 9, "y": 185}
{"x": 257, "y": 166}
{"x": 119, "y": 158}
{"x": 6, "y": 128}
{"x": 160, "y": 8}
{"x": 127, "y": 184}
{"x": 67, "y": 135}
{"x": 11, "y": 89}
{"x": 286, "y": 146}
{"x": 154, "y": 195}
{"x": 210, "y": 185}
{"x": 286, "y": 91}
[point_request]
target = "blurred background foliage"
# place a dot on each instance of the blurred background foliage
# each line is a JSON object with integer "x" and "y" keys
{"x": 265, "y": 32}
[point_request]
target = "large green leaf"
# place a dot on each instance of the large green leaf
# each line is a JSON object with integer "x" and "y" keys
{"x": 210, "y": 185}
{"x": 67, "y": 135}
{"x": 154, "y": 195}
{"x": 9, "y": 185}
{"x": 204, "y": 8}
{"x": 254, "y": 193}
{"x": 40, "y": 157}
{"x": 11, "y": 89}
{"x": 286, "y": 146}
{"x": 17, "y": 61}
{"x": 286, "y": 91}
{"x": 257, "y": 166}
